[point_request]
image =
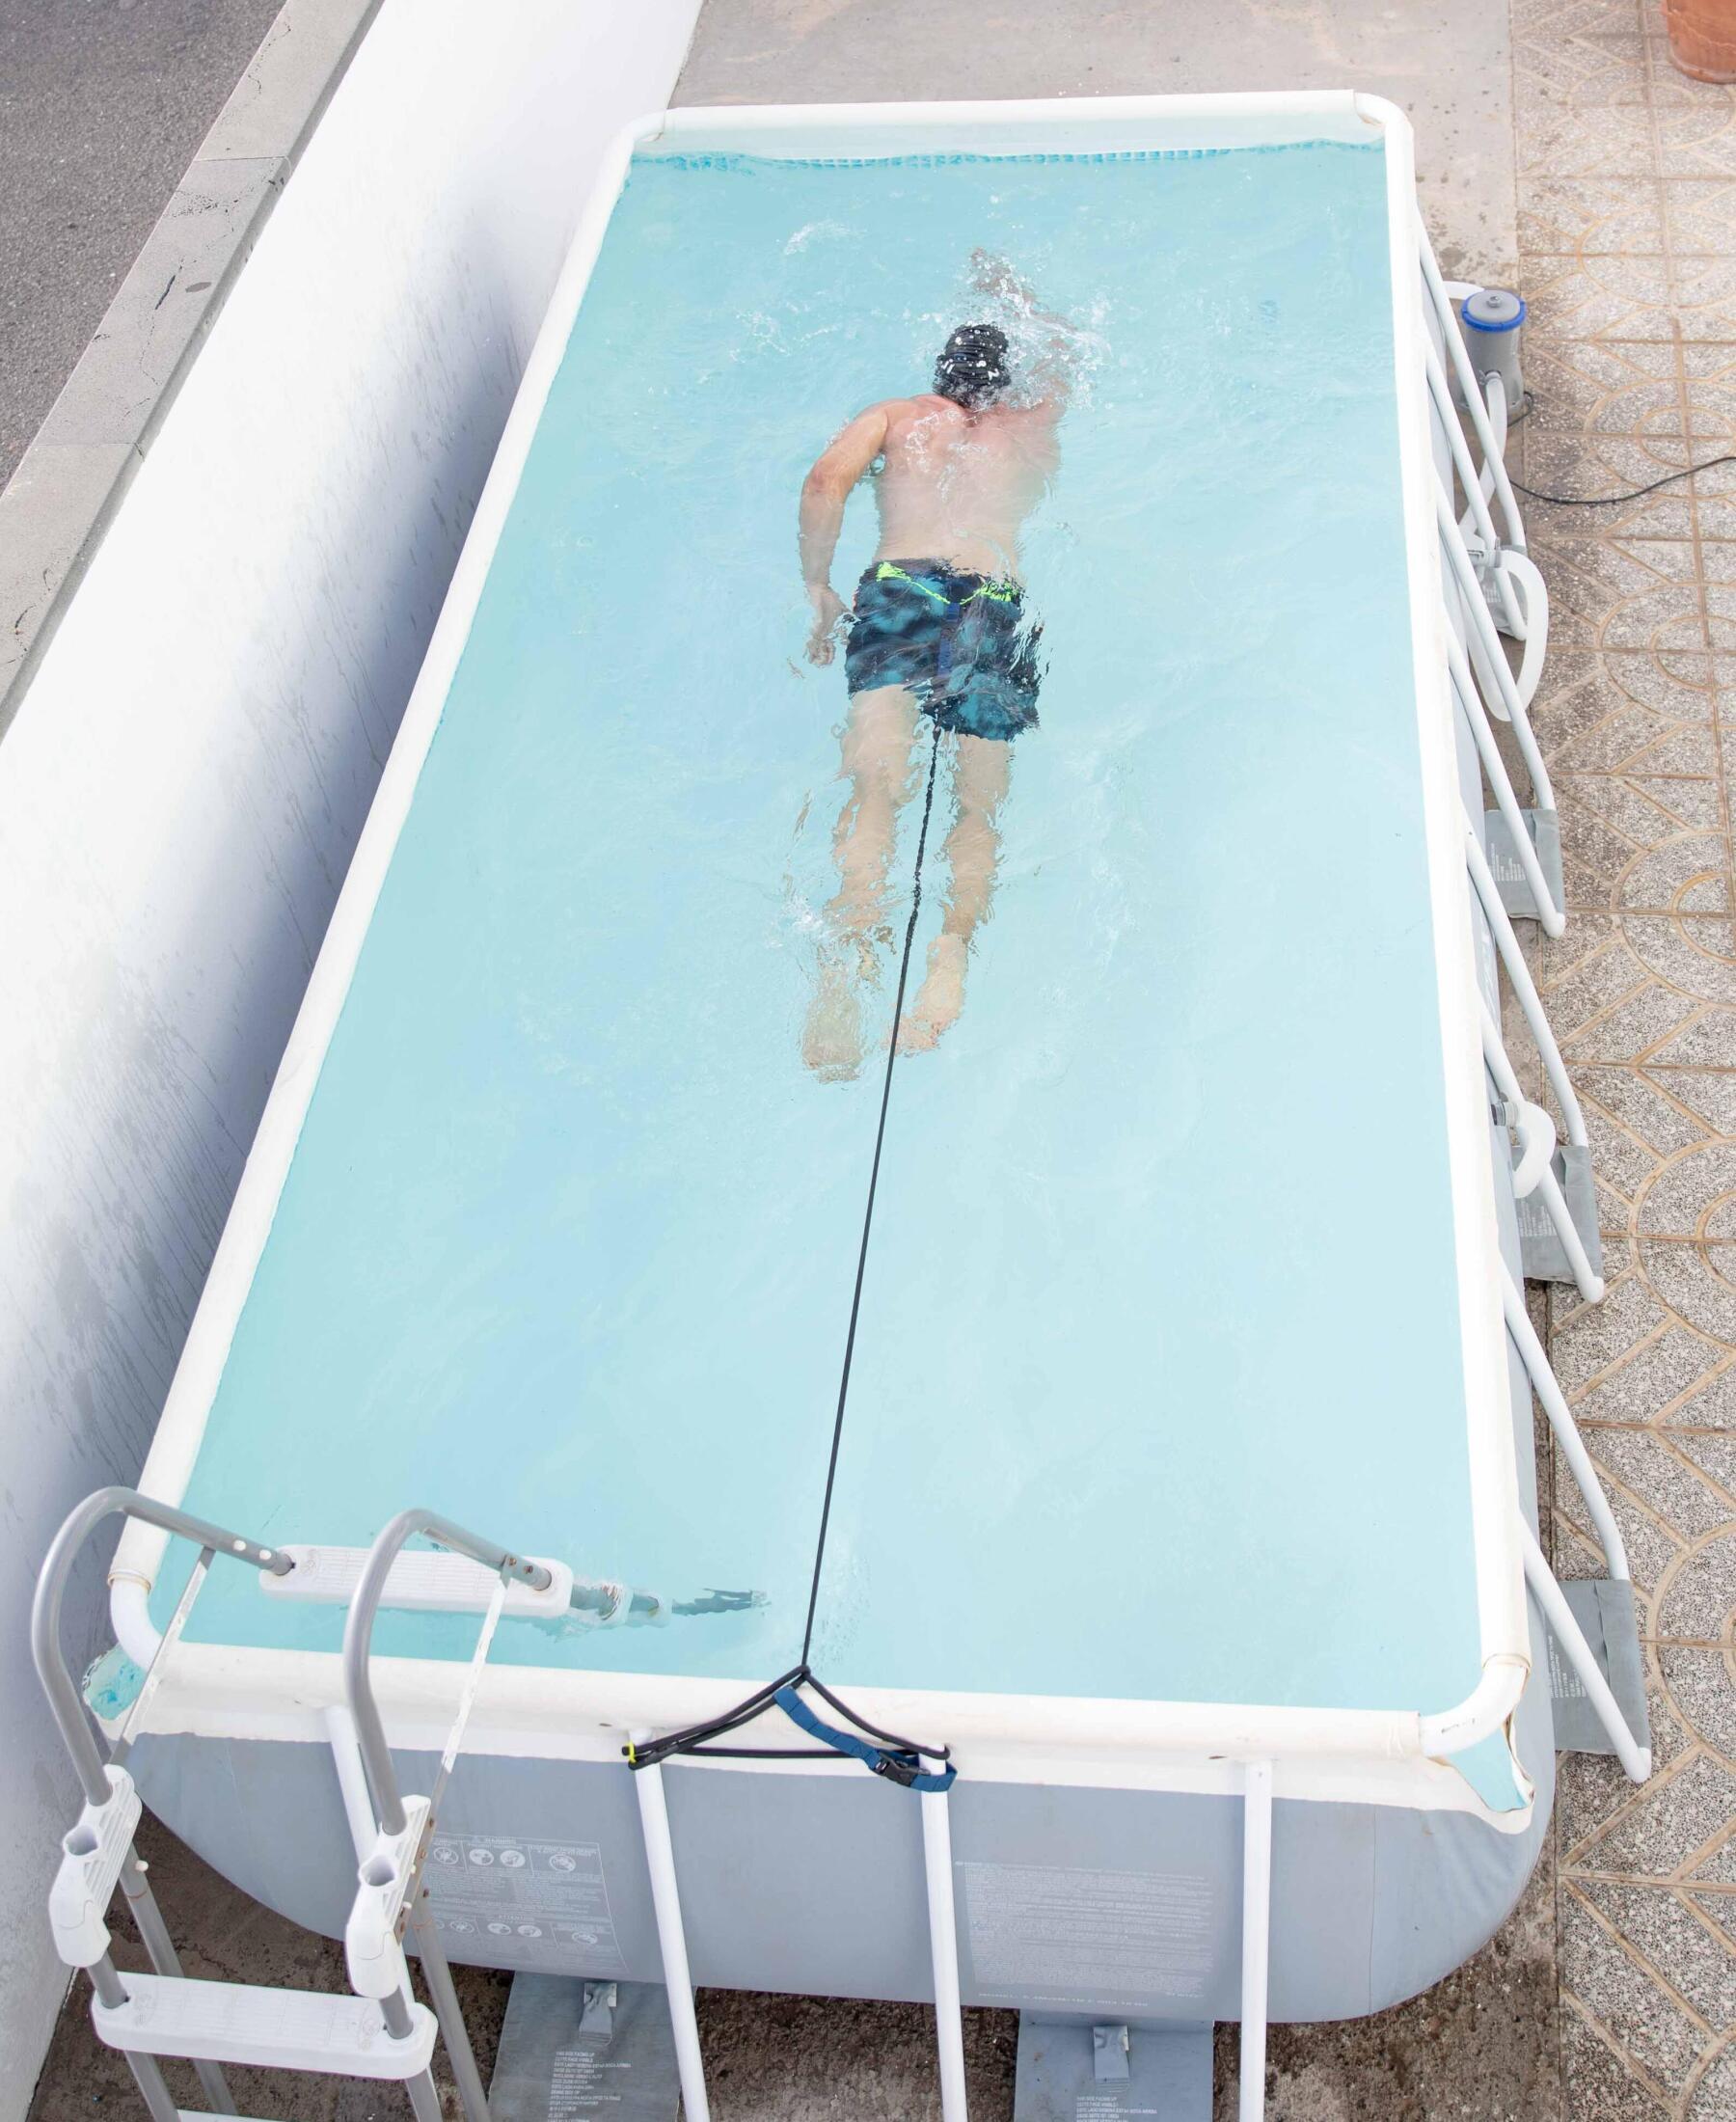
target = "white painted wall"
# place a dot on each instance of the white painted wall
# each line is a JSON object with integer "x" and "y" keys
{"x": 187, "y": 777}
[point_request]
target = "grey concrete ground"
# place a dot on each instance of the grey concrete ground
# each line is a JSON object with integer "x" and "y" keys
{"x": 1446, "y": 62}
{"x": 103, "y": 103}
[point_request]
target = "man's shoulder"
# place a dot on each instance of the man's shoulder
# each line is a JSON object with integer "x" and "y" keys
{"x": 907, "y": 411}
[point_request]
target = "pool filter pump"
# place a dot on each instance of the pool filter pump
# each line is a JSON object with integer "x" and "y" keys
{"x": 1494, "y": 321}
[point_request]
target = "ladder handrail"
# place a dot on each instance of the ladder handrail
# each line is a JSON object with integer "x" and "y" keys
{"x": 46, "y": 1612}
{"x": 46, "y": 1616}
{"x": 379, "y": 1773}
{"x": 358, "y": 1636}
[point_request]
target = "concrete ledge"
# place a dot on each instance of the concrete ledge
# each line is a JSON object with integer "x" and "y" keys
{"x": 70, "y": 481}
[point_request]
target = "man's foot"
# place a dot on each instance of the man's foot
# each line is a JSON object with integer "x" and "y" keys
{"x": 936, "y": 1009}
{"x": 831, "y": 1042}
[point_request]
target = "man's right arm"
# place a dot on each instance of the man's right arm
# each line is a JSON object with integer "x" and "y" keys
{"x": 1057, "y": 350}
{"x": 823, "y": 493}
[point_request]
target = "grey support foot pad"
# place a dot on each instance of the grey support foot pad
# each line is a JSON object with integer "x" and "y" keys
{"x": 1604, "y": 1609}
{"x": 1080, "y": 2073}
{"x": 1545, "y": 833}
{"x": 1542, "y": 1255}
{"x": 571, "y": 2050}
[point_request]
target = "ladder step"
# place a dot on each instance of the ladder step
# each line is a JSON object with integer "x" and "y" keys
{"x": 271, "y": 2028}
{"x": 421, "y": 1580}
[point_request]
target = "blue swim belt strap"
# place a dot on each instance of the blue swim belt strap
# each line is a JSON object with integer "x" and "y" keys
{"x": 900, "y": 1765}
{"x": 882, "y": 1753}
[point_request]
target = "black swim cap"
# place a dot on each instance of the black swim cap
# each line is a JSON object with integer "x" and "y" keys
{"x": 972, "y": 370}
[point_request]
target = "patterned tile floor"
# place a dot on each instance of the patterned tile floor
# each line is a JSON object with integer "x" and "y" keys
{"x": 1627, "y": 237}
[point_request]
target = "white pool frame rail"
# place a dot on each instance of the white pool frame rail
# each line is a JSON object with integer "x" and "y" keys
{"x": 1250, "y": 1751}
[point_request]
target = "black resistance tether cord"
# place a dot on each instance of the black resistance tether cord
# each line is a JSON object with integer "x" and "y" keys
{"x": 879, "y": 1143}
{"x": 899, "y": 1760}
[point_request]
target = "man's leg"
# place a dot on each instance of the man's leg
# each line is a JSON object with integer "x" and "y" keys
{"x": 877, "y": 765}
{"x": 972, "y": 854}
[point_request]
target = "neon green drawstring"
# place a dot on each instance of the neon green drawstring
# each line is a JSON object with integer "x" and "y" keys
{"x": 1003, "y": 592}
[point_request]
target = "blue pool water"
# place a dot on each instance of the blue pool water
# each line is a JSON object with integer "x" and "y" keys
{"x": 1157, "y": 1391}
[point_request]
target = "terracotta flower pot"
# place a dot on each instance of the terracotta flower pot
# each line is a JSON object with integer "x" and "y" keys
{"x": 1702, "y": 38}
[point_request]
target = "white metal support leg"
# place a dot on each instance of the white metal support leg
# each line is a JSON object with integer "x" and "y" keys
{"x": 1547, "y": 1387}
{"x": 943, "y": 1950}
{"x": 671, "y": 1938}
{"x": 1525, "y": 988}
{"x": 1479, "y": 404}
{"x": 1256, "y": 1926}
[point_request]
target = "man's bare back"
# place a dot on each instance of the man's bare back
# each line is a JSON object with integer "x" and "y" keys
{"x": 955, "y": 485}
{"x": 959, "y": 485}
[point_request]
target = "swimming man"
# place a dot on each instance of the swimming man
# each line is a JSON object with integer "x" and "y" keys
{"x": 937, "y": 635}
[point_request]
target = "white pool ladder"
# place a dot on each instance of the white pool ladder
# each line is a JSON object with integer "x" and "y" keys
{"x": 147, "y": 2017}
{"x": 392, "y": 1832}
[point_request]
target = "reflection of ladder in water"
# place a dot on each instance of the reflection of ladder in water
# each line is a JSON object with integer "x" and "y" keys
{"x": 379, "y": 2033}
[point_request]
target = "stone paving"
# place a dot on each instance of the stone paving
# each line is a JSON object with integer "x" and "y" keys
{"x": 1627, "y": 240}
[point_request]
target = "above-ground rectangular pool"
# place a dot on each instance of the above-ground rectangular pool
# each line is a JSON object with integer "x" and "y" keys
{"x": 1179, "y": 1427}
